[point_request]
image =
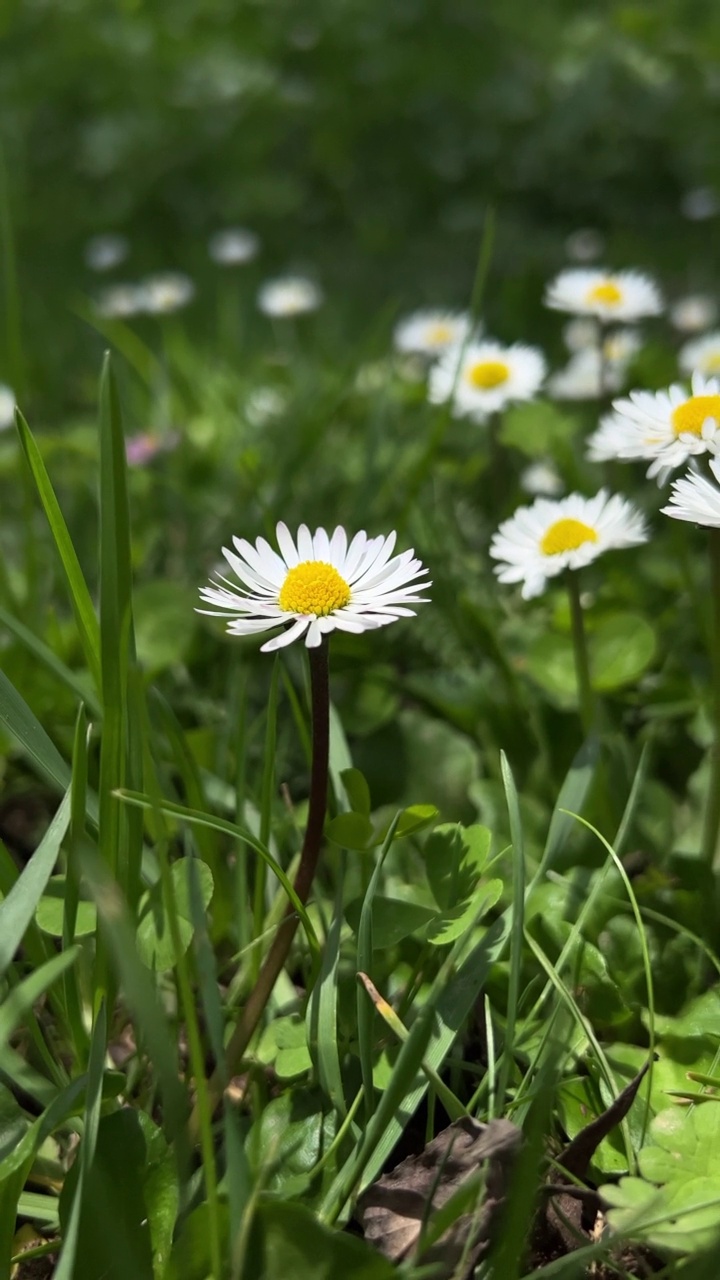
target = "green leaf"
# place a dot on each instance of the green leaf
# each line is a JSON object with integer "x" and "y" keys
{"x": 22, "y": 725}
{"x": 685, "y": 1144}
{"x": 17, "y": 910}
{"x": 454, "y": 859}
{"x": 413, "y": 819}
{"x": 165, "y": 623}
{"x": 357, "y": 790}
{"x": 50, "y": 913}
{"x": 284, "y": 1044}
{"x": 154, "y": 943}
{"x": 22, "y": 997}
{"x": 85, "y": 616}
{"x": 537, "y": 428}
{"x": 620, "y": 648}
{"x": 666, "y": 1218}
{"x": 453, "y": 923}
{"x": 293, "y": 1243}
{"x": 392, "y": 919}
{"x": 351, "y": 831}
{"x": 291, "y": 1136}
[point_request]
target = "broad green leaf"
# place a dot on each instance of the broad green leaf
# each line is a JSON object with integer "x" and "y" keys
{"x": 454, "y": 859}
{"x": 294, "y": 1243}
{"x": 351, "y": 831}
{"x": 538, "y": 428}
{"x": 454, "y": 922}
{"x": 392, "y": 919}
{"x": 679, "y": 1218}
{"x": 154, "y": 943}
{"x": 620, "y": 648}
{"x": 50, "y": 913}
{"x": 283, "y": 1045}
{"x": 685, "y": 1144}
{"x": 289, "y": 1138}
{"x": 357, "y": 790}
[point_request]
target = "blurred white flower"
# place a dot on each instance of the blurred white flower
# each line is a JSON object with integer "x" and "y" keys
{"x": 580, "y": 332}
{"x": 699, "y": 204}
{"x": 664, "y": 427}
{"x": 485, "y": 376}
{"x": 695, "y": 498}
{"x": 609, "y": 295}
{"x": 104, "y": 252}
{"x": 318, "y": 583}
{"x": 120, "y": 301}
{"x": 702, "y": 355}
{"x": 542, "y": 541}
{"x": 263, "y": 405}
{"x": 289, "y": 296}
{"x": 694, "y": 313}
{"x": 589, "y": 375}
{"x": 166, "y": 293}
{"x": 233, "y": 246}
{"x": 7, "y": 406}
{"x": 429, "y": 333}
{"x": 584, "y": 245}
{"x": 541, "y": 479}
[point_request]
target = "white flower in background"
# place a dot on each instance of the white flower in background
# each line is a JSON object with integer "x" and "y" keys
{"x": 584, "y": 245}
{"x": 485, "y": 376}
{"x": 104, "y": 252}
{"x": 429, "y": 333}
{"x": 120, "y": 301}
{"x": 695, "y": 498}
{"x": 233, "y": 247}
{"x": 609, "y": 295}
{"x": 166, "y": 293}
{"x": 318, "y": 583}
{"x": 588, "y": 374}
{"x": 699, "y": 204}
{"x": 664, "y": 427}
{"x": 263, "y": 405}
{"x": 541, "y": 541}
{"x": 694, "y": 313}
{"x": 289, "y": 296}
{"x": 541, "y": 479}
{"x": 701, "y": 355}
{"x": 7, "y": 406}
{"x": 580, "y": 332}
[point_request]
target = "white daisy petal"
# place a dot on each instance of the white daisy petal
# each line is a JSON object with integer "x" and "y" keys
{"x": 543, "y": 540}
{"x": 320, "y": 584}
{"x": 665, "y": 427}
{"x": 609, "y": 295}
{"x": 696, "y": 499}
{"x": 482, "y": 377}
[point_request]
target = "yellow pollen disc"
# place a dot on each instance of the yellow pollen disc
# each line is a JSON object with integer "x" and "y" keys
{"x": 486, "y": 374}
{"x": 313, "y": 587}
{"x": 607, "y": 291}
{"x": 690, "y": 416}
{"x": 439, "y": 334}
{"x": 566, "y": 535}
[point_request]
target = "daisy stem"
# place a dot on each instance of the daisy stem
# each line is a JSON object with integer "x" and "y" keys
{"x": 281, "y": 943}
{"x": 582, "y": 666}
{"x": 712, "y": 812}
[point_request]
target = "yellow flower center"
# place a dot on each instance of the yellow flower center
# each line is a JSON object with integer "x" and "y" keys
{"x": 313, "y": 587}
{"x": 691, "y": 414}
{"x": 485, "y": 374}
{"x": 607, "y": 292}
{"x": 566, "y": 535}
{"x": 439, "y": 334}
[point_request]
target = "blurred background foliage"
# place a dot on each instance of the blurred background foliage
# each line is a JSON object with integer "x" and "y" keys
{"x": 360, "y": 138}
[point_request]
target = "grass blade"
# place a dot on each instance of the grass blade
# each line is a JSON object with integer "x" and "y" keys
{"x": 18, "y": 908}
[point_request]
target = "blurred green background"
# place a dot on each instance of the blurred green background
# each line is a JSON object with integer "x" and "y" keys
{"x": 361, "y": 140}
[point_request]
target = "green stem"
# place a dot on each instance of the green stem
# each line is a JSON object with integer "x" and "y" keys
{"x": 712, "y": 811}
{"x": 582, "y": 665}
{"x": 280, "y": 947}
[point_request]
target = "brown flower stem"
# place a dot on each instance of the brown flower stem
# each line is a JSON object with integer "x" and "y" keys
{"x": 280, "y": 947}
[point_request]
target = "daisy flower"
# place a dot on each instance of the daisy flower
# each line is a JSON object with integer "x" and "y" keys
{"x": 233, "y": 247}
{"x": 609, "y": 295}
{"x": 166, "y": 293}
{"x": 665, "y": 427}
{"x": 485, "y": 376}
{"x": 289, "y": 296}
{"x": 695, "y": 498}
{"x": 104, "y": 252}
{"x": 693, "y": 313}
{"x": 317, "y": 583}
{"x": 584, "y": 245}
{"x": 701, "y": 355}
{"x": 541, "y": 479}
{"x": 7, "y": 406}
{"x": 120, "y": 301}
{"x": 429, "y": 333}
{"x": 541, "y": 541}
